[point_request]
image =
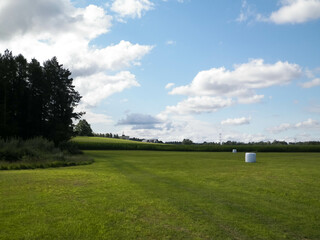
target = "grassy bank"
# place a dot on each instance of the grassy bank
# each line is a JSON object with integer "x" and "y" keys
{"x": 38, "y": 153}
{"x": 165, "y": 195}
{"x": 99, "y": 143}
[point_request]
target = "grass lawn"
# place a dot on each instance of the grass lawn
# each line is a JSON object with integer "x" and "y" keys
{"x": 165, "y": 195}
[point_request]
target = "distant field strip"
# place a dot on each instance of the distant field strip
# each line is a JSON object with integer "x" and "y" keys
{"x": 99, "y": 143}
{"x": 165, "y": 195}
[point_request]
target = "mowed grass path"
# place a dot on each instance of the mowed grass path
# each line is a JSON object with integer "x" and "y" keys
{"x": 165, "y": 195}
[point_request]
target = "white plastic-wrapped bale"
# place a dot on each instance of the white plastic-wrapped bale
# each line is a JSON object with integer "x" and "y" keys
{"x": 234, "y": 150}
{"x": 251, "y": 157}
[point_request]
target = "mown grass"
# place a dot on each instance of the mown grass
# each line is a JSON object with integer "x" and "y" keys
{"x": 99, "y": 143}
{"x": 165, "y": 195}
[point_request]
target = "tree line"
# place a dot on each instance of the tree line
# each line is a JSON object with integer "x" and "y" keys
{"x": 36, "y": 100}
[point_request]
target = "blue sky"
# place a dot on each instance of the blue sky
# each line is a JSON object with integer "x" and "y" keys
{"x": 177, "y": 69}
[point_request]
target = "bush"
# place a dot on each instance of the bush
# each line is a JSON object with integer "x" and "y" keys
{"x": 70, "y": 147}
{"x": 17, "y": 149}
{"x": 38, "y": 153}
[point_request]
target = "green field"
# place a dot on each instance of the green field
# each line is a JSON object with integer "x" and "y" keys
{"x": 99, "y": 143}
{"x": 165, "y": 195}
{"x": 104, "y": 140}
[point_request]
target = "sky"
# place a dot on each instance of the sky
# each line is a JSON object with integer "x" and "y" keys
{"x": 245, "y": 70}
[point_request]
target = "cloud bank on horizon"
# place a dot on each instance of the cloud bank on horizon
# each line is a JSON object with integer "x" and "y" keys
{"x": 206, "y": 80}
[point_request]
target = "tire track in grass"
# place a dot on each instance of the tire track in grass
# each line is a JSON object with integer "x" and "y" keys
{"x": 199, "y": 204}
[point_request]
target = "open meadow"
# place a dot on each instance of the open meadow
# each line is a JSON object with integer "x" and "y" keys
{"x": 101, "y": 143}
{"x": 165, "y": 195}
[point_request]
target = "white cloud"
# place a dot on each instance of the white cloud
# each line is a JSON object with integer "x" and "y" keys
{"x": 96, "y": 87}
{"x": 246, "y": 12}
{"x": 170, "y": 42}
{"x": 242, "y": 81}
{"x": 310, "y": 124}
{"x": 217, "y": 88}
{"x": 314, "y": 83}
{"x": 198, "y": 105}
{"x": 281, "y": 128}
{"x": 49, "y": 20}
{"x": 169, "y": 85}
{"x": 140, "y": 121}
{"x": 94, "y": 118}
{"x": 236, "y": 121}
{"x": 249, "y": 100}
{"x": 131, "y": 8}
{"x": 296, "y": 11}
{"x": 112, "y": 58}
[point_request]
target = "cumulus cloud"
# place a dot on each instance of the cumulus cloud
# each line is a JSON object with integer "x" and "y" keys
{"x": 218, "y": 88}
{"x": 19, "y": 17}
{"x": 111, "y": 58}
{"x": 131, "y": 8}
{"x": 296, "y": 11}
{"x": 314, "y": 83}
{"x": 308, "y": 124}
{"x": 96, "y": 87}
{"x": 236, "y": 121}
{"x": 48, "y": 20}
{"x": 169, "y": 85}
{"x": 196, "y": 105}
{"x": 290, "y": 12}
{"x": 241, "y": 81}
{"x": 140, "y": 121}
{"x": 249, "y": 100}
{"x": 96, "y": 118}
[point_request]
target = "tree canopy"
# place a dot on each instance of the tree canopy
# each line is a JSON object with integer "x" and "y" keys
{"x": 36, "y": 100}
{"x": 83, "y": 128}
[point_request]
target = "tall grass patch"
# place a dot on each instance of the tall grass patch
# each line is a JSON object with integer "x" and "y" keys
{"x": 37, "y": 153}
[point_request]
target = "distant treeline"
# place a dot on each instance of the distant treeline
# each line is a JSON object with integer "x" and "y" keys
{"x": 106, "y": 135}
{"x": 36, "y": 100}
{"x": 114, "y": 135}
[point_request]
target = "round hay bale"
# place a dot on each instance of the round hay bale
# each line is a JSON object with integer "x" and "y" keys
{"x": 251, "y": 157}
